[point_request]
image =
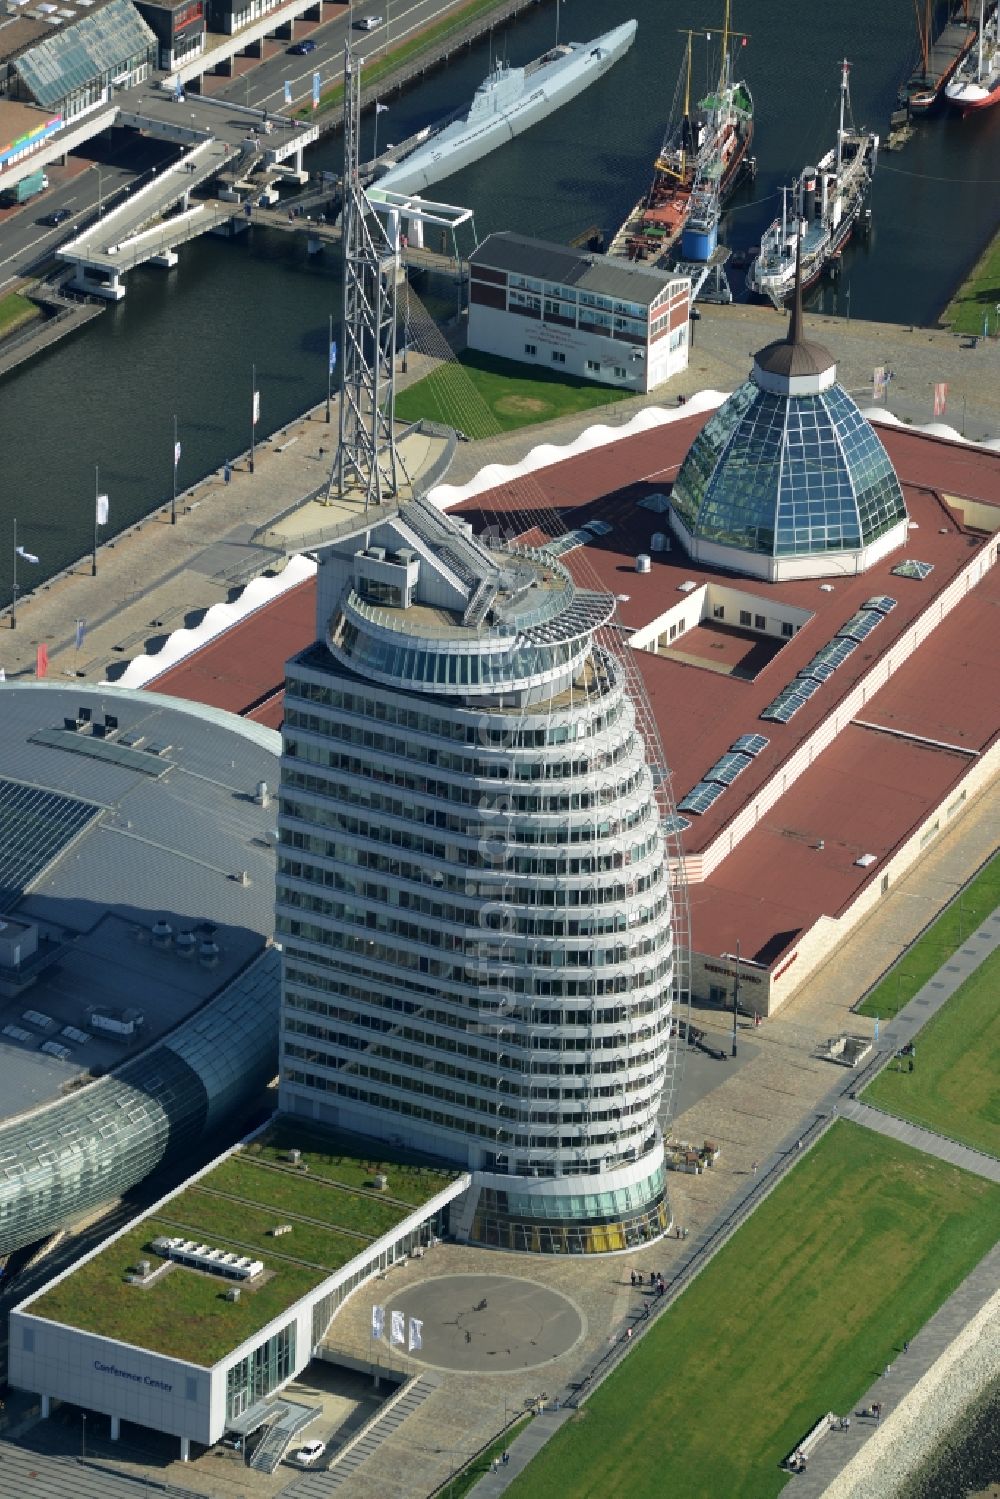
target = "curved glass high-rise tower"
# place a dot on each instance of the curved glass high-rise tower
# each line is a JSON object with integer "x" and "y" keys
{"x": 473, "y": 891}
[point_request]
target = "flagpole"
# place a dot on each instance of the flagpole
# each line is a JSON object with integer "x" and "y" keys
{"x": 173, "y": 493}
{"x": 329, "y": 370}
{"x": 13, "y": 607}
{"x": 97, "y": 485}
{"x": 253, "y": 402}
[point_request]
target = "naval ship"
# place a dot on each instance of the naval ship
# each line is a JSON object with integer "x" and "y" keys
{"x": 507, "y": 102}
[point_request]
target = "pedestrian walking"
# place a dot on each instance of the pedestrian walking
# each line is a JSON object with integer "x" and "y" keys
{"x": 505, "y": 1459}
{"x": 633, "y": 1280}
{"x": 888, "y": 1370}
{"x": 906, "y": 1345}
{"x": 753, "y": 1168}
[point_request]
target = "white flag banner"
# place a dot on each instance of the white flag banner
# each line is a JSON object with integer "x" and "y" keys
{"x": 177, "y": 453}
{"x": 288, "y": 91}
{"x": 102, "y": 509}
{"x": 397, "y": 1329}
{"x": 416, "y": 1333}
{"x": 28, "y": 556}
{"x": 381, "y": 109}
{"x": 3, "y": 675}
{"x": 378, "y": 1321}
{"x": 256, "y": 407}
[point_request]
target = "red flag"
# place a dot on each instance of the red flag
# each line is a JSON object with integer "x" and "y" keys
{"x": 940, "y": 399}
{"x": 743, "y": 42}
{"x": 42, "y": 661}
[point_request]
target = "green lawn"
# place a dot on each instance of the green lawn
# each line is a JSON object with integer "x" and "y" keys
{"x": 978, "y": 295}
{"x": 954, "y": 1087}
{"x": 482, "y": 395}
{"x": 943, "y": 938}
{"x": 15, "y": 310}
{"x": 796, "y": 1316}
{"x": 390, "y": 62}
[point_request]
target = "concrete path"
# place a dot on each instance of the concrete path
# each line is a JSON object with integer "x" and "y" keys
{"x": 528, "y": 1443}
{"x": 890, "y": 1388}
{"x": 923, "y": 1139}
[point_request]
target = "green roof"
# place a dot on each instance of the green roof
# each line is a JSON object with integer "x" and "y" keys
{"x": 330, "y": 1200}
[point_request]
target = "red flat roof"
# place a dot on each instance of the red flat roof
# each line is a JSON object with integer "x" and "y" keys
{"x": 701, "y": 712}
{"x": 244, "y": 668}
{"x": 864, "y": 795}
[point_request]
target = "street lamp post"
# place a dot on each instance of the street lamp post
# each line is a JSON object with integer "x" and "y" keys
{"x": 736, "y": 993}
{"x": 173, "y": 492}
{"x": 329, "y": 370}
{"x": 97, "y": 490}
{"x": 83, "y": 1434}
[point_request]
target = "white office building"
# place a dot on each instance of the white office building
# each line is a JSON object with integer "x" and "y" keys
{"x": 472, "y": 892}
{"x": 576, "y": 313}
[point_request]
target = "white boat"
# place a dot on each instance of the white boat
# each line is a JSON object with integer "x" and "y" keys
{"x": 975, "y": 83}
{"x": 507, "y": 102}
{"x": 827, "y": 201}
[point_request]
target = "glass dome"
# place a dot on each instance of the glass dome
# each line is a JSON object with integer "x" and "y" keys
{"x": 788, "y": 475}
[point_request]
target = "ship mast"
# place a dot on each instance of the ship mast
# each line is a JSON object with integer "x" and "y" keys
{"x": 844, "y": 75}
{"x": 724, "y": 63}
{"x": 687, "y": 107}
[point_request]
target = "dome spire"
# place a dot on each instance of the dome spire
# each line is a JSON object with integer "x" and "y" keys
{"x": 794, "y": 357}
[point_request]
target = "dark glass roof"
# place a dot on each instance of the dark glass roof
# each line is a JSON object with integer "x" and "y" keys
{"x": 788, "y": 475}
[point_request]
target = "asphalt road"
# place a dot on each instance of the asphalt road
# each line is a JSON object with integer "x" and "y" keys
{"x": 118, "y": 164}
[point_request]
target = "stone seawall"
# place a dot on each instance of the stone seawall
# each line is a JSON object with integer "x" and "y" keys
{"x": 909, "y": 1435}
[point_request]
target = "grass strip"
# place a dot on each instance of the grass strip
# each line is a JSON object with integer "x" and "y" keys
{"x": 467, "y": 1478}
{"x": 941, "y": 940}
{"x": 15, "y": 311}
{"x": 375, "y": 71}
{"x": 483, "y": 395}
{"x": 952, "y": 1084}
{"x": 797, "y": 1315}
{"x": 978, "y": 297}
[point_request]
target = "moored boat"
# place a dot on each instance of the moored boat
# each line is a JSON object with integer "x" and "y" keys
{"x": 975, "y": 84}
{"x": 701, "y": 159}
{"x": 827, "y": 201}
{"x": 939, "y": 56}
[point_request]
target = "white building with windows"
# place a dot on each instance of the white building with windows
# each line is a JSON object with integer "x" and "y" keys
{"x": 577, "y": 313}
{"x": 473, "y": 895}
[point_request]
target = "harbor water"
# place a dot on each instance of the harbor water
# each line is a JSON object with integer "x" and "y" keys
{"x": 183, "y": 342}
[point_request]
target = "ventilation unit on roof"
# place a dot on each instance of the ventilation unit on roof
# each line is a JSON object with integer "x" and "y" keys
{"x": 643, "y": 563}
{"x": 687, "y": 587}
{"x": 826, "y": 588}
{"x": 659, "y": 542}
{"x": 865, "y": 861}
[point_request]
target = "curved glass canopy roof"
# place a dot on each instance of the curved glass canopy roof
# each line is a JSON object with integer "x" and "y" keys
{"x": 788, "y": 475}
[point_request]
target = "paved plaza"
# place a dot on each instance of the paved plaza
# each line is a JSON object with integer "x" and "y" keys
{"x": 491, "y": 1324}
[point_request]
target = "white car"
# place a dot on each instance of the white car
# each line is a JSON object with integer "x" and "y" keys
{"x": 309, "y": 1454}
{"x": 369, "y": 23}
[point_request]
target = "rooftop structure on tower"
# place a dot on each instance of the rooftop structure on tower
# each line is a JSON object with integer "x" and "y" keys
{"x": 787, "y": 479}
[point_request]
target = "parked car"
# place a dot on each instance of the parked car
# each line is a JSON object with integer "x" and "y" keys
{"x": 57, "y": 217}
{"x": 309, "y": 1454}
{"x": 302, "y": 49}
{"x": 369, "y": 23}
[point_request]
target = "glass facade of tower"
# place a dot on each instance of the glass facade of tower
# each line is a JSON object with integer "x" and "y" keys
{"x": 788, "y": 475}
{"x": 475, "y": 908}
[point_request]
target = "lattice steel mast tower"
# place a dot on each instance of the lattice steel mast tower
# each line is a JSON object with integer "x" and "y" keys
{"x": 366, "y": 460}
